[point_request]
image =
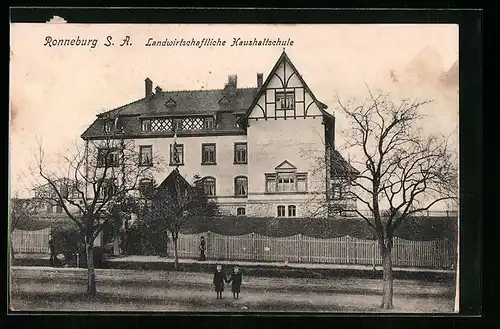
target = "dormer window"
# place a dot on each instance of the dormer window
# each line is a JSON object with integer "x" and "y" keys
{"x": 170, "y": 103}
{"x": 177, "y": 124}
{"x": 146, "y": 125}
{"x": 108, "y": 126}
{"x": 224, "y": 101}
{"x": 209, "y": 123}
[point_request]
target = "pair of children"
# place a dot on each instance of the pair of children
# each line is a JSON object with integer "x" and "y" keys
{"x": 235, "y": 280}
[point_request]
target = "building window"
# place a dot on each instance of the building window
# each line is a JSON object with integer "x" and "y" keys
{"x": 271, "y": 183}
{"x": 286, "y": 182}
{"x": 49, "y": 208}
{"x": 240, "y": 211}
{"x": 177, "y": 124}
{"x": 209, "y": 186}
{"x": 285, "y": 100}
{"x": 108, "y": 126}
{"x": 146, "y": 125}
{"x": 107, "y": 157}
{"x": 64, "y": 191}
{"x": 109, "y": 190}
{"x": 281, "y": 211}
{"x": 59, "y": 209}
{"x": 209, "y": 123}
{"x": 241, "y": 186}
{"x": 75, "y": 193}
{"x": 176, "y": 154}
{"x": 208, "y": 153}
{"x": 285, "y": 103}
{"x": 301, "y": 182}
{"x": 240, "y": 153}
{"x": 146, "y": 155}
{"x": 292, "y": 211}
{"x": 336, "y": 191}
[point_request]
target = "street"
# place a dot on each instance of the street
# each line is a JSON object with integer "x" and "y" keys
{"x": 48, "y": 289}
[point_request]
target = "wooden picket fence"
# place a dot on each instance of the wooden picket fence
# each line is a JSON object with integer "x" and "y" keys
{"x": 438, "y": 254}
{"x": 31, "y": 241}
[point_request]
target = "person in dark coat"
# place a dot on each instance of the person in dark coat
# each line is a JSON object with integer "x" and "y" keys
{"x": 53, "y": 255}
{"x": 219, "y": 279}
{"x": 235, "y": 281}
{"x": 202, "y": 249}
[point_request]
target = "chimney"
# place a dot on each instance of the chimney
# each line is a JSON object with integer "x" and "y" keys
{"x": 149, "y": 87}
{"x": 231, "y": 85}
{"x": 260, "y": 79}
{"x": 158, "y": 89}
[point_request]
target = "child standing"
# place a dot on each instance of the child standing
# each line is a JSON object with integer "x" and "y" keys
{"x": 219, "y": 279}
{"x": 235, "y": 280}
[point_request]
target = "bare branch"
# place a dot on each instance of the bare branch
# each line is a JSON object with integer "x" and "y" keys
{"x": 399, "y": 167}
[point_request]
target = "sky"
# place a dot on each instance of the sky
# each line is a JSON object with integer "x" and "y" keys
{"x": 56, "y": 92}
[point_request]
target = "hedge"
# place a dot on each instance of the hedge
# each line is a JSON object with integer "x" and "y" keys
{"x": 415, "y": 228}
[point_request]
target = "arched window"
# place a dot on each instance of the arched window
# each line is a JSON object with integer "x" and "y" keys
{"x": 281, "y": 211}
{"x": 209, "y": 186}
{"x": 292, "y": 211}
{"x": 109, "y": 189}
{"x": 241, "y": 211}
{"x": 241, "y": 186}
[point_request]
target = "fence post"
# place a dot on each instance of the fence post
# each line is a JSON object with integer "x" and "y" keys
{"x": 253, "y": 246}
{"x": 299, "y": 249}
{"x": 208, "y": 245}
{"x": 355, "y": 251}
{"x": 373, "y": 253}
{"x": 348, "y": 248}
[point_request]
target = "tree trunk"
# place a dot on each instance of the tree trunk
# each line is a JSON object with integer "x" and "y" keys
{"x": 176, "y": 255}
{"x": 89, "y": 248}
{"x": 387, "y": 278}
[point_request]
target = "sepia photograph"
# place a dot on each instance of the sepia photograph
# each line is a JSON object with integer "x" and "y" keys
{"x": 213, "y": 168}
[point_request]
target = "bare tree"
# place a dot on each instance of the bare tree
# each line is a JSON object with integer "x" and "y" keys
{"x": 88, "y": 183}
{"x": 400, "y": 171}
{"x": 176, "y": 203}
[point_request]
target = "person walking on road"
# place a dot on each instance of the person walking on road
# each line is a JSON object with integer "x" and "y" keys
{"x": 202, "y": 249}
{"x": 219, "y": 279}
{"x": 235, "y": 281}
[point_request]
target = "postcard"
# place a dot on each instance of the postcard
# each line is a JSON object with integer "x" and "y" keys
{"x": 214, "y": 168}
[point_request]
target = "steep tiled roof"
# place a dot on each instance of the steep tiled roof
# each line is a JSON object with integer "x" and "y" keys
{"x": 187, "y": 102}
{"x": 174, "y": 176}
{"x": 340, "y": 166}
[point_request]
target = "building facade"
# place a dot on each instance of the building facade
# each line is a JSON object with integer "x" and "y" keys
{"x": 259, "y": 152}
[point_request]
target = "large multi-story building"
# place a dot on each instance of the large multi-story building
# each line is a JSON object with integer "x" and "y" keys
{"x": 260, "y": 152}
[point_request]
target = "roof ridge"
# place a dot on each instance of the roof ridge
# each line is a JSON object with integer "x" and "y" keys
{"x": 191, "y": 90}
{"x": 120, "y": 107}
